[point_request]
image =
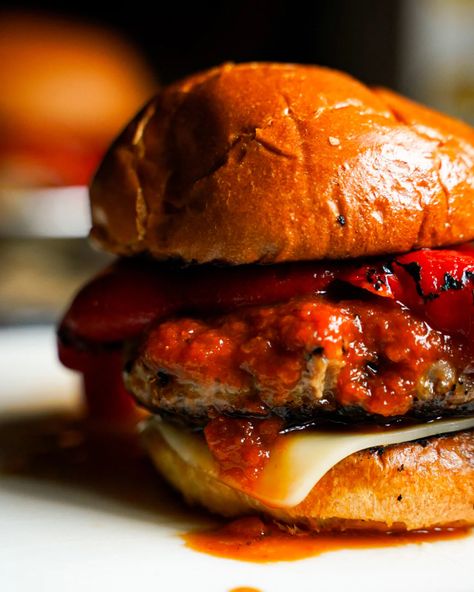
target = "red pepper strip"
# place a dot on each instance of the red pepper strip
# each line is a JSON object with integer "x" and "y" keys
{"x": 121, "y": 302}
{"x": 437, "y": 284}
{"x": 375, "y": 278}
{"x": 117, "y": 304}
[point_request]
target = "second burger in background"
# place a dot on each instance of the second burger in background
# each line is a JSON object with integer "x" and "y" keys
{"x": 67, "y": 89}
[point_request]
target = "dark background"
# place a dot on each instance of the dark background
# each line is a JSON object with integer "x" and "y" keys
{"x": 358, "y": 36}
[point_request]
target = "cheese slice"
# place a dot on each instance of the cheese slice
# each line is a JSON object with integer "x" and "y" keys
{"x": 300, "y": 459}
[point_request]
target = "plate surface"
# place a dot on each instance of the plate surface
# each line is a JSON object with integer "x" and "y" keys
{"x": 53, "y": 212}
{"x": 95, "y": 517}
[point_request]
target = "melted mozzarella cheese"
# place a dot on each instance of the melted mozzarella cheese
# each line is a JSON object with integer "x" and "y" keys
{"x": 300, "y": 459}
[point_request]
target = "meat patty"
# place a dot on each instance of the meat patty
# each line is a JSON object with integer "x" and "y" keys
{"x": 303, "y": 359}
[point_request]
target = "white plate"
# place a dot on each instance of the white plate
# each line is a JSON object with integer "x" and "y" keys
{"x": 53, "y": 212}
{"x": 74, "y": 533}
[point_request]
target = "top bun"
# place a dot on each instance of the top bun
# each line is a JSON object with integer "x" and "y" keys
{"x": 277, "y": 162}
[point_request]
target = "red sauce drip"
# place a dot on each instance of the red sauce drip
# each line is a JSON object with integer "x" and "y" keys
{"x": 383, "y": 350}
{"x": 242, "y": 447}
{"x": 250, "y": 539}
{"x": 105, "y": 395}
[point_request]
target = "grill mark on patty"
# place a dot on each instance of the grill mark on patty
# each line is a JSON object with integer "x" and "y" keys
{"x": 196, "y": 404}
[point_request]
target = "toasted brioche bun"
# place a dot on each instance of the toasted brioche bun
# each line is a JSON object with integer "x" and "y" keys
{"x": 278, "y": 162}
{"x": 409, "y": 486}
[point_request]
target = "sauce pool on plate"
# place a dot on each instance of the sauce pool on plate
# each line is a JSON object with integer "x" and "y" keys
{"x": 250, "y": 539}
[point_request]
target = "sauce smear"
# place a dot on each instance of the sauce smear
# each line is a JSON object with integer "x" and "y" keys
{"x": 241, "y": 447}
{"x": 250, "y": 539}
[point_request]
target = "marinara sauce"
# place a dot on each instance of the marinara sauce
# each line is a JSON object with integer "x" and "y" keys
{"x": 251, "y": 539}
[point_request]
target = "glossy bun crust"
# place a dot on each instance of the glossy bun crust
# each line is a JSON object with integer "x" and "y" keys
{"x": 408, "y": 486}
{"x": 278, "y": 162}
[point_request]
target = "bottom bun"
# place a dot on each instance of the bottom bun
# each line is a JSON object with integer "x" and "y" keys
{"x": 417, "y": 485}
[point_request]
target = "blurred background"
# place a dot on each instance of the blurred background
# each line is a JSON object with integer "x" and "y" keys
{"x": 73, "y": 73}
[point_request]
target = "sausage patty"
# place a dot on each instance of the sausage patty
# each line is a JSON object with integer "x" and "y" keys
{"x": 303, "y": 359}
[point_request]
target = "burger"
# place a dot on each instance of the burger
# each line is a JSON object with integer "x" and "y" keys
{"x": 292, "y": 299}
{"x": 67, "y": 87}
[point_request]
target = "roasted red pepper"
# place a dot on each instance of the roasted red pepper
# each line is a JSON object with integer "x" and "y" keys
{"x": 121, "y": 302}
{"x": 436, "y": 284}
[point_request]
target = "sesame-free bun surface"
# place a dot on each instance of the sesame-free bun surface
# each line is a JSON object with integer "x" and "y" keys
{"x": 410, "y": 486}
{"x": 278, "y": 162}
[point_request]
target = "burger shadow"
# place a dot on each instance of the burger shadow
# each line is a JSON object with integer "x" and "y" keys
{"x": 57, "y": 457}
